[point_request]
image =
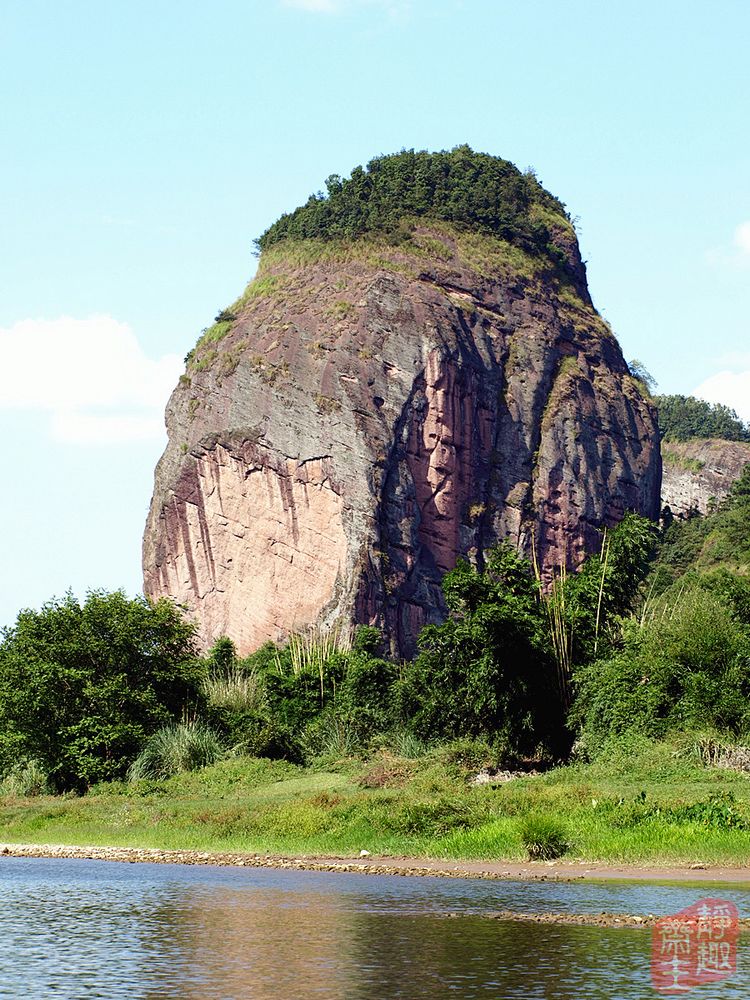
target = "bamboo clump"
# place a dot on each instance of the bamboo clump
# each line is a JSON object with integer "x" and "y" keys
{"x": 561, "y": 631}
{"x": 311, "y": 650}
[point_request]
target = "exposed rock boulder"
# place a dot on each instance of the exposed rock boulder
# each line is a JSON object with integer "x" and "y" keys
{"x": 700, "y": 472}
{"x": 373, "y": 409}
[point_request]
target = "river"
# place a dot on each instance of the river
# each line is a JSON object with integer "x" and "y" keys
{"x": 75, "y": 929}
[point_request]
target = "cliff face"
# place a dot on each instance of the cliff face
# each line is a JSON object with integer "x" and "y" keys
{"x": 699, "y": 472}
{"x": 368, "y": 412}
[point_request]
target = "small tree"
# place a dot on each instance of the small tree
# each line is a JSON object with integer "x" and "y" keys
{"x": 638, "y": 370}
{"x": 487, "y": 670}
{"x": 82, "y": 686}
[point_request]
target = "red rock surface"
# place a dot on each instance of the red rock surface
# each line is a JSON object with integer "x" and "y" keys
{"x": 375, "y": 412}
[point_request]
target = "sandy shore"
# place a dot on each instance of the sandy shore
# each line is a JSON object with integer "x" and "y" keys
{"x": 565, "y": 871}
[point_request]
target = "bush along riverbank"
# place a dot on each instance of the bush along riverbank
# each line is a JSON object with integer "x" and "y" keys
{"x": 624, "y": 686}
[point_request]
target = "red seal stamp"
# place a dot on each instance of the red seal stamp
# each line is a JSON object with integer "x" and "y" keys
{"x": 695, "y": 946}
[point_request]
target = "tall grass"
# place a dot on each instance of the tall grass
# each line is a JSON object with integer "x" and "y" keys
{"x": 25, "y": 779}
{"x": 713, "y": 751}
{"x": 234, "y": 689}
{"x": 543, "y": 837}
{"x": 562, "y": 634}
{"x": 559, "y": 618}
{"x": 173, "y": 749}
{"x": 604, "y": 560}
{"x": 331, "y": 737}
{"x": 313, "y": 648}
{"x": 406, "y": 744}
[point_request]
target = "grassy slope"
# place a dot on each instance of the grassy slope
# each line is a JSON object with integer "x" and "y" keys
{"x": 430, "y": 242}
{"x": 417, "y": 808}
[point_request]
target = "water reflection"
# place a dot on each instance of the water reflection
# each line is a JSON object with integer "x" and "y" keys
{"x": 256, "y": 944}
{"x": 74, "y": 929}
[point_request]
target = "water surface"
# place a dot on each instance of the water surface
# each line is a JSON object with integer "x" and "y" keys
{"x": 82, "y": 929}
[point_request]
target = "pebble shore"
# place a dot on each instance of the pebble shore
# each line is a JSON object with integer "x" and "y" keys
{"x": 134, "y": 855}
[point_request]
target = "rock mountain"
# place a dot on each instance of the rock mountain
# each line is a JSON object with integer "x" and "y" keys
{"x": 416, "y": 372}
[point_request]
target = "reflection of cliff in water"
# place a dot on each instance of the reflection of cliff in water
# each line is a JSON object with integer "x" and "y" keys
{"x": 263, "y": 945}
{"x": 255, "y": 944}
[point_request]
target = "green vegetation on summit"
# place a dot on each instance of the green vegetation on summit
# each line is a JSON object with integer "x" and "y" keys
{"x": 399, "y": 214}
{"x": 682, "y": 418}
{"x": 460, "y": 186}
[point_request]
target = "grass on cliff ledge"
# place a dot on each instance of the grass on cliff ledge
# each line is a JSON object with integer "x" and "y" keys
{"x": 642, "y": 803}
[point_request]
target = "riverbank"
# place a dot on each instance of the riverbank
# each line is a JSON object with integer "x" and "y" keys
{"x": 414, "y": 867}
{"x": 645, "y": 808}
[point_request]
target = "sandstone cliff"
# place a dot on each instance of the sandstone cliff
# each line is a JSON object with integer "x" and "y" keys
{"x": 372, "y": 409}
{"x": 700, "y": 472}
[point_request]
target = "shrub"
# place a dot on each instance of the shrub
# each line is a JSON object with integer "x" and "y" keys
{"x": 367, "y": 639}
{"x": 293, "y": 701}
{"x": 487, "y": 671}
{"x": 363, "y": 695}
{"x": 223, "y": 655}
{"x": 256, "y": 735}
{"x": 82, "y": 686}
{"x": 332, "y": 737}
{"x": 544, "y": 838}
{"x": 467, "y": 754}
{"x": 719, "y": 811}
{"x": 174, "y": 749}
{"x": 25, "y": 779}
{"x": 685, "y": 665}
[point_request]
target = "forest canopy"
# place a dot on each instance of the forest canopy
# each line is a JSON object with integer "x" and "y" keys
{"x": 457, "y": 186}
{"x": 684, "y": 417}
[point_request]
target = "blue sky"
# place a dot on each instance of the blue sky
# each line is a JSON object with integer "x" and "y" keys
{"x": 145, "y": 145}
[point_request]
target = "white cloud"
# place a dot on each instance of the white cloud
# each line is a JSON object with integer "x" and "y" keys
{"x": 90, "y": 376}
{"x": 742, "y": 239}
{"x": 730, "y": 388}
{"x": 734, "y": 256}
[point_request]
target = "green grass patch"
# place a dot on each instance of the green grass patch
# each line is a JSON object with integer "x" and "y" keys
{"x": 677, "y": 460}
{"x": 640, "y": 803}
{"x": 374, "y": 250}
{"x": 487, "y": 255}
{"x": 553, "y": 220}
